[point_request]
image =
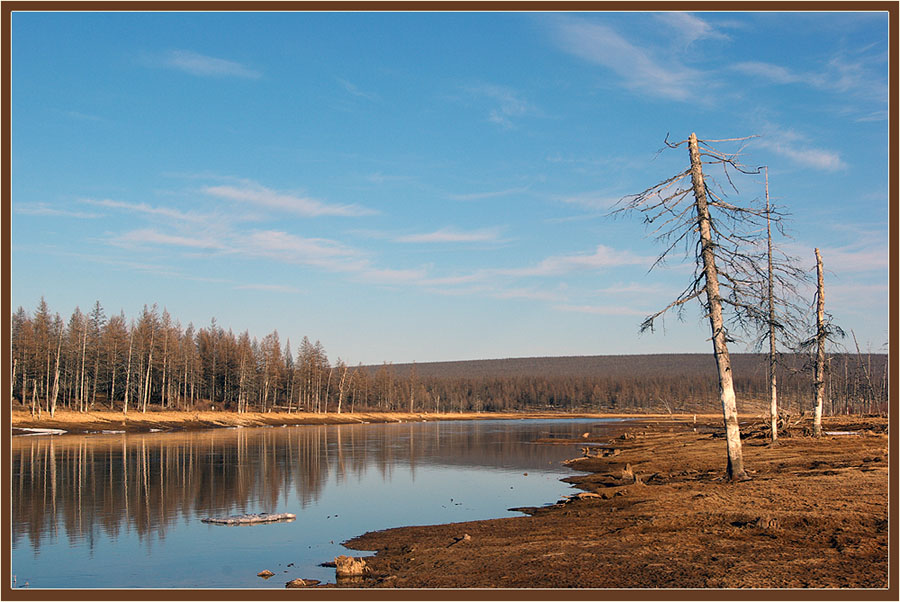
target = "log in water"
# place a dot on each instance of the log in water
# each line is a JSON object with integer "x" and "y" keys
{"x": 249, "y": 519}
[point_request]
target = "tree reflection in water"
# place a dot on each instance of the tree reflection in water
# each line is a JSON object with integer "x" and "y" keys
{"x": 88, "y": 488}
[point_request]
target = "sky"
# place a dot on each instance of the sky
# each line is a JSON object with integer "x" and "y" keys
{"x": 432, "y": 186}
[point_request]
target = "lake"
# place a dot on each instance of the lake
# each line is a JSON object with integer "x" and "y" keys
{"x": 125, "y": 510}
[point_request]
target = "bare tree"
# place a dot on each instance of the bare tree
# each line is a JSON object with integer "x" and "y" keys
{"x": 729, "y": 254}
{"x": 821, "y": 335}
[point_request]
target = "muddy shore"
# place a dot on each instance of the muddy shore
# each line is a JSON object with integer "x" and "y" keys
{"x": 656, "y": 513}
{"x": 136, "y": 421}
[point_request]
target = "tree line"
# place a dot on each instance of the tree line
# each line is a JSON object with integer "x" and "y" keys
{"x": 94, "y": 361}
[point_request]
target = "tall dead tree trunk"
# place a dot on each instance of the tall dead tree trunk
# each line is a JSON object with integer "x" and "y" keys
{"x": 735, "y": 467}
{"x": 128, "y": 373}
{"x": 773, "y": 358}
{"x": 55, "y": 393}
{"x": 821, "y": 335}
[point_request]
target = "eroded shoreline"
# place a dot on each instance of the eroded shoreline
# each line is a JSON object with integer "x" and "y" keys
{"x": 659, "y": 515}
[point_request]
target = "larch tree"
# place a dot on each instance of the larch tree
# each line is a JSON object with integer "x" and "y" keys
{"x": 783, "y": 321}
{"x": 725, "y": 242}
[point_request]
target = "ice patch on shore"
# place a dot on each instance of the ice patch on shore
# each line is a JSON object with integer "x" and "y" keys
{"x": 38, "y": 431}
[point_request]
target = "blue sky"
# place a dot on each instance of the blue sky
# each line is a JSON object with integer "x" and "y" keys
{"x": 419, "y": 187}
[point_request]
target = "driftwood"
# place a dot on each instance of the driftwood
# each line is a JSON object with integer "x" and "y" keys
{"x": 301, "y": 583}
{"x": 600, "y": 452}
{"x": 346, "y": 566}
{"x": 249, "y": 519}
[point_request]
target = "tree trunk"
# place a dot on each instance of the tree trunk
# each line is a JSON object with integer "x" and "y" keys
{"x": 55, "y": 392}
{"x": 820, "y": 346}
{"x": 81, "y": 384}
{"x": 128, "y": 373}
{"x": 735, "y": 467}
{"x": 773, "y": 358}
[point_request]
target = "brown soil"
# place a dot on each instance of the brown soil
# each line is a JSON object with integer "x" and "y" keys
{"x": 814, "y": 515}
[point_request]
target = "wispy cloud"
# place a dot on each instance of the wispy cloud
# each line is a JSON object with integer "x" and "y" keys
{"x": 145, "y": 236}
{"x": 689, "y": 28}
{"x": 291, "y": 203}
{"x": 452, "y": 235}
{"x": 602, "y": 257}
{"x": 861, "y": 73}
{"x": 355, "y": 91}
{"x": 795, "y": 146}
{"x": 633, "y": 288}
{"x": 207, "y": 66}
{"x": 269, "y": 288}
{"x": 640, "y": 69}
{"x": 146, "y": 209}
{"x": 600, "y": 200}
{"x": 291, "y": 248}
{"x": 44, "y": 209}
{"x": 603, "y": 310}
{"x": 490, "y": 194}
{"x": 507, "y": 104}
{"x": 381, "y": 178}
{"x": 496, "y": 292}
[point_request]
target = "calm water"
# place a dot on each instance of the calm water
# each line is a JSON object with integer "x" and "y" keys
{"x": 115, "y": 510}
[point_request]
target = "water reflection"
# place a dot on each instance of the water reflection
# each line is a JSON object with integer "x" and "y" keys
{"x": 92, "y": 490}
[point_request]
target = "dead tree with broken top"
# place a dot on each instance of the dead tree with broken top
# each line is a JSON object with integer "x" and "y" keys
{"x": 727, "y": 243}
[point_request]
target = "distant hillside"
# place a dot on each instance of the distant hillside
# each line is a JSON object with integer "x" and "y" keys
{"x": 650, "y": 382}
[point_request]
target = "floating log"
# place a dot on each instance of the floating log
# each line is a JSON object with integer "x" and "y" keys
{"x": 249, "y": 519}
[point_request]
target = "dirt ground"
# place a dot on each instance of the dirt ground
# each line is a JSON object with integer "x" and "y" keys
{"x": 657, "y": 514}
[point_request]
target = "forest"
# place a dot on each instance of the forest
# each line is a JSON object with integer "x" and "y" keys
{"x": 151, "y": 362}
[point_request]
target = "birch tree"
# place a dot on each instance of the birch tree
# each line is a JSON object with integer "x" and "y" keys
{"x": 724, "y": 240}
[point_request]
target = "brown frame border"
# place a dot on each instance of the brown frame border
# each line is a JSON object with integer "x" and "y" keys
{"x": 7, "y": 8}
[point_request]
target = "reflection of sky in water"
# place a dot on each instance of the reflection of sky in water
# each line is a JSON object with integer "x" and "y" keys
{"x": 409, "y": 474}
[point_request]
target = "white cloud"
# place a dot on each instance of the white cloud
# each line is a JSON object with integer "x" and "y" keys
{"x": 633, "y": 288}
{"x": 291, "y": 248}
{"x": 795, "y": 147}
{"x": 207, "y": 66}
{"x": 508, "y": 103}
{"x": 602, "y": 257}
{"x": 390, "y": 276}
{"x": 637, "y": 66}
{"x": 858, "y": 74}
{"x": 451, "y": 235}
{"x": 603, "y": 310}
{"x": 146, "y": 209}
{"x": 269, "y": 288}
{"x": 690, "y": 28}
{"x": 355, "y": 91}
{"x": 300, "y": 205}
{"x": 47, "y": 210}
{"x": 592, "y": 200}
{"x": 477, "y": 196}
{"x": 150, "y": 236}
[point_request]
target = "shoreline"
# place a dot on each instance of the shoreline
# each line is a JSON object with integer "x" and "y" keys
{"x": 73, "y": 422}
{"x": 658, "y": 514}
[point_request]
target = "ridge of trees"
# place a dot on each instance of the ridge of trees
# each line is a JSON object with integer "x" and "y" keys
{"x": 95, "y": 361}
